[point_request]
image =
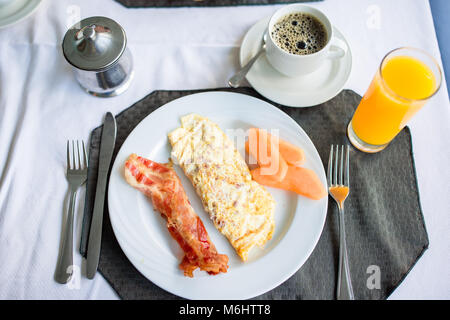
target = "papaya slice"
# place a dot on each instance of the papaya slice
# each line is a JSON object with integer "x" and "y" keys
{"x": 300, "y": 180}
{"x": 292, "y": 154}
{"x": 267, "y": 155}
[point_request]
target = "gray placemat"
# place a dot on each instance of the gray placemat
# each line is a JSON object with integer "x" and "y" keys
{"x": 385, "y": 228}
{"x": 201, "y": 3}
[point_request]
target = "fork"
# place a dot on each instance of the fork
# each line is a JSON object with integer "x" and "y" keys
{"x": 76, "y": 176}
{"x": 339, "y": 188}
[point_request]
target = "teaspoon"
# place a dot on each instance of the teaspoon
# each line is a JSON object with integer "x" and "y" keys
{"x": 237, "y": 79}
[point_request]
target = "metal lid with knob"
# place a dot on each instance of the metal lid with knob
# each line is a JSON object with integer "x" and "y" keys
{"x": 94, "y": 44}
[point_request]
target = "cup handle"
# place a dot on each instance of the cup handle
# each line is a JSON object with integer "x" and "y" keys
{"x": 338, "y": 49}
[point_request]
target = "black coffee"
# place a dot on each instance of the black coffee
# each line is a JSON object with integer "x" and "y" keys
{"x": 299, "y": 33}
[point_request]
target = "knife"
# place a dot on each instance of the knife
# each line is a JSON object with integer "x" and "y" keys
{"x": 107, "y": 144}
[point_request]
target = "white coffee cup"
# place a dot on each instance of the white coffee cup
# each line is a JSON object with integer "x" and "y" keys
{"x": 293, "y": 65}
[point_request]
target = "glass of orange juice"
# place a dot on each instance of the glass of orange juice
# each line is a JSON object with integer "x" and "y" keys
{"x": 406, "y": 79}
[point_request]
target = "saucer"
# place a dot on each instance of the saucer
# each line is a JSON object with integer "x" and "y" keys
{"x": 16, "y": 11}
{"x": 303, "y": 91}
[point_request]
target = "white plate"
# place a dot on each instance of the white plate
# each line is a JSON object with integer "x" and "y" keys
{"x": 305, "y": 91}
{"x": 16, "y": 11}
{"x": 142, "y": 233}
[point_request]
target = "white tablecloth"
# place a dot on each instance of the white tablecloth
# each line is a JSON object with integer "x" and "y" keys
{"x": 41, "y": 106}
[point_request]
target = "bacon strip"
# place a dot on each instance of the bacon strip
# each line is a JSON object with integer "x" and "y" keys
{"x": 161, "y": 184}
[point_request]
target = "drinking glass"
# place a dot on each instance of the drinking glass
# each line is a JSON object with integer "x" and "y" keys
{"x": 406, "y": 79}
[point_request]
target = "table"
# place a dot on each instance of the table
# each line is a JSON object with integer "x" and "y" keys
{"x": 41, "y": 106}
{"x": 439, "y": 8}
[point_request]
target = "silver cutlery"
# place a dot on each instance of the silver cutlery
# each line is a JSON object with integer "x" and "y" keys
{"x": 76, "y": 176}
{"x": 237, "y": 79}
{"x": 339, "y": 188}
{"x": 107, "y": 144}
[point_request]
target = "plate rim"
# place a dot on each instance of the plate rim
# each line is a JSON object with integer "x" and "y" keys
{"x": 123, "y": 243}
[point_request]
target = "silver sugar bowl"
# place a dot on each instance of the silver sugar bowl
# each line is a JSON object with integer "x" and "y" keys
{"x": 97, "y": 49}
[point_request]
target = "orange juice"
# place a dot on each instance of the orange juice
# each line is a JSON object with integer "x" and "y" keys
{"x": 399, "y": 89}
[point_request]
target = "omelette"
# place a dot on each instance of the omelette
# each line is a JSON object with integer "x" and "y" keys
{"x": 240, "y": 208}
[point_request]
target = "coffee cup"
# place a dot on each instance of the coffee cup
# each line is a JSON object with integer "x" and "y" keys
{"x": 294, "y": 64}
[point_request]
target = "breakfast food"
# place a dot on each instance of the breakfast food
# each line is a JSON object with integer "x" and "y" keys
{"x": 297, "y": 179}
{"x": 265, "y": 149}
{"x": 240, "y": 208}
{"x": 292, "y": 154}
{"x": 161, "y": 184}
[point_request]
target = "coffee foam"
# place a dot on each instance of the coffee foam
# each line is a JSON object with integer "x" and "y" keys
{"x": 299, "y": 33}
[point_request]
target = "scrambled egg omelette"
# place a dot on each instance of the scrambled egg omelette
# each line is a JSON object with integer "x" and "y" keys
{"x": 240, "y": 208}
